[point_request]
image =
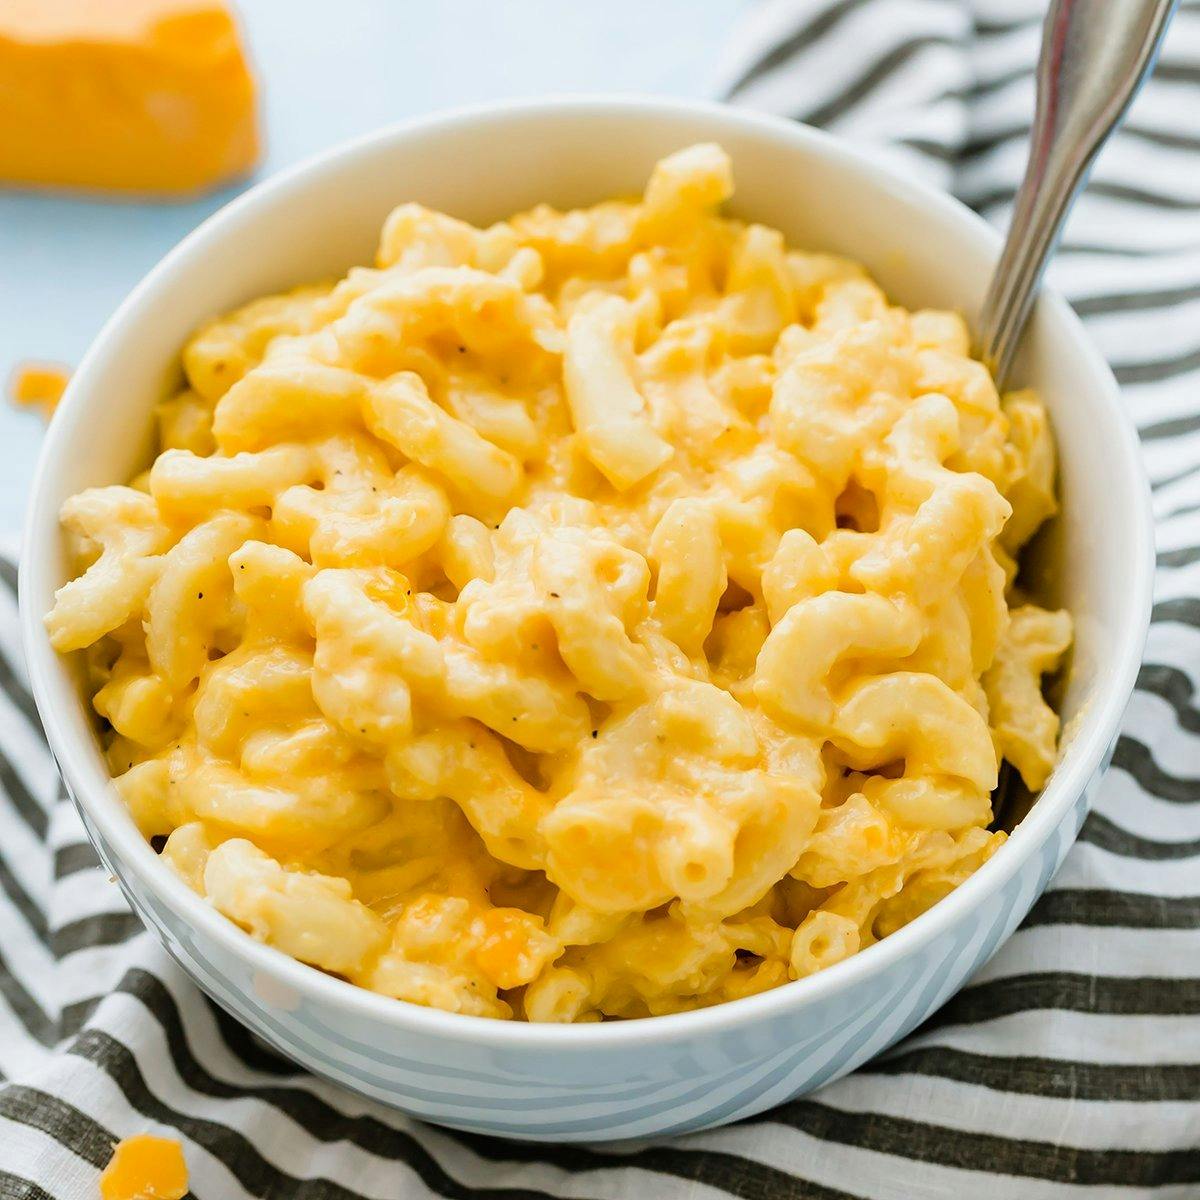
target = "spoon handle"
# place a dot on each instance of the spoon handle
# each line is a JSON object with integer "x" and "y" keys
{"x": 1095, "y": 55}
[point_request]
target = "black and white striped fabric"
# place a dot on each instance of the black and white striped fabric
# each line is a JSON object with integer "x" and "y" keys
{"x": 1070, "y": 1068}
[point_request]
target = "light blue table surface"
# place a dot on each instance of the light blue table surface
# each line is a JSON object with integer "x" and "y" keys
{"x": 331, "y": 69}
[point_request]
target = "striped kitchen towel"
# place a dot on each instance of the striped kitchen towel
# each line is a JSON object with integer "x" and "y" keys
{"x": 1070, "y": 1068}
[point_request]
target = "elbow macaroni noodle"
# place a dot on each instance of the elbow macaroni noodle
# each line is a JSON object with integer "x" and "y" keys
{"x": 602, "y": 614}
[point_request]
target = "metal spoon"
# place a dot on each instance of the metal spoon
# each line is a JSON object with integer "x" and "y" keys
{"x": 1095, "y": 56}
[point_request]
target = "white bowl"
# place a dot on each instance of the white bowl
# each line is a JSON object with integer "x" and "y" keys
{"x": 673, "y": 1073}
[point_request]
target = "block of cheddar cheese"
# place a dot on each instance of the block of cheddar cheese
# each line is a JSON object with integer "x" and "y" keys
{"x": 144, "y": 96}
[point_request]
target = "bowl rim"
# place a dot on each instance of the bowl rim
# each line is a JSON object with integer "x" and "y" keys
{"x": 133, "y": 854}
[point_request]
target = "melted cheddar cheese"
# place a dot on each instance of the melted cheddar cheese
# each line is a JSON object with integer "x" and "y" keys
{"x": 602, "y": 614}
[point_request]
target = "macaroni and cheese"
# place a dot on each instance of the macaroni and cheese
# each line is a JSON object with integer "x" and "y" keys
{"x": 602, "y": 614}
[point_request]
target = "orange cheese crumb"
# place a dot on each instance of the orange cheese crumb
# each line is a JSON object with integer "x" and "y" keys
{"x": 38, "y": 385}
{"x": 144, "y": 1167}
{"x": 502, "y": 953}
{"x": 146, "y": 96}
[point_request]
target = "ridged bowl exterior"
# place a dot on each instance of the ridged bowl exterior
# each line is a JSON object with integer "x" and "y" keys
{"x": 666, "y": 1088}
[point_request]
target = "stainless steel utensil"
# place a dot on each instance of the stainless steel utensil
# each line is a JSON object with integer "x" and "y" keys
{"x": 1095, "y": 55}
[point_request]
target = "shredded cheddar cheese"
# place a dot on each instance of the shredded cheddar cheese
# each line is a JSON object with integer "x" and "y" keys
{"x": 38, "y": 385}
{"x": 144, "y": 1167}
